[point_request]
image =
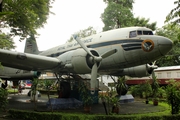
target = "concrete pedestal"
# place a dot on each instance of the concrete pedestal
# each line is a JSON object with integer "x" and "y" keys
{"x": 126, "y": 98}
{"x": 64, "y": 103}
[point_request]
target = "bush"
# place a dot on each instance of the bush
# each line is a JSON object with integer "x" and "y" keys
{"x": 3, "y": 98}
{"x": 28, "y": 115}
{"x": 173, "y": 96}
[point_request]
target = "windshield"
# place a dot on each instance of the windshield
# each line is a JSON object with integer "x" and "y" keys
{"x": 132, "y": 34}
{"x": 139, "y": 32}
{"x": 147, "y": 33}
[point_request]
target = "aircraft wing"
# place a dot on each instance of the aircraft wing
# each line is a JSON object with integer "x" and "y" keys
{"x": 27, "y": 61}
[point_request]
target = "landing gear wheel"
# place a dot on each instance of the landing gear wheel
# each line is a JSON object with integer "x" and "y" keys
{"x": 65, "y": 90}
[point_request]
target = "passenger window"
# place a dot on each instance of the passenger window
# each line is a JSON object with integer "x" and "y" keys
{"x": 139, "y": 32}
{"x": 147, "y": 33}
{"x": 132, "y": 34}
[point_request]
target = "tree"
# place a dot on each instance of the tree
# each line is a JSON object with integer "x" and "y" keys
{"x": 6, "y": 42}
{"x": 173, "y": 57}
{"x": 121, "y": 86}
{"x": 34, "y": 92}
{"x": 143, "y": 22}
{"x": 84, "y": 33}
{"x": 27, "y": 16}
{"x": 174, "y": 14}
{"x": 119, "y": 14}
{"x": 48, "y": 87}
{"x": 173, "y": 96}
{"x": 3, "y": 99}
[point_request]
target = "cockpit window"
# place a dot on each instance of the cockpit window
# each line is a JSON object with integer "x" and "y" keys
{"x": 147, "y": 33}
{"x": 132, "y": 34}
{"x": 139, "y": 32}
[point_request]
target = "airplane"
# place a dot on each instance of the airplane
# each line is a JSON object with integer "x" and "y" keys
{"x": 118, "y": 52}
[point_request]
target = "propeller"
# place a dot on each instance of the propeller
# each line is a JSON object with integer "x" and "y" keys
{"x": 152, "y": 67}
{"x": 95, "y": 60}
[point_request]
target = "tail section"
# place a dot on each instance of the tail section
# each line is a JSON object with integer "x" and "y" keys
{"x": 31, "y": 45}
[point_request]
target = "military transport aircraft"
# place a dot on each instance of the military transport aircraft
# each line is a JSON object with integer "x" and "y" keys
{"x": 119, "y": 52}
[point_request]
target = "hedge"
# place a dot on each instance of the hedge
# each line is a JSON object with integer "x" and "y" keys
{"x": 31, "y": 115}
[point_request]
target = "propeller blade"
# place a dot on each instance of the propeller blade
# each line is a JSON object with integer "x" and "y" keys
{"x": 96, "y": 58}
{"x": 75, "y": 37}
{"x": 108, "y": 53}
{"x": 93, "y": 78}
{"x": 154, "y": 62}
{"x": 152, "y": 67}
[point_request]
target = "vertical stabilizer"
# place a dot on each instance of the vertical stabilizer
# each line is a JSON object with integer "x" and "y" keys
{"x": 31, "y": 45}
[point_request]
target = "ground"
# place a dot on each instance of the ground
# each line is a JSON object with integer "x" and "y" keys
{"x": 22, "y": 102}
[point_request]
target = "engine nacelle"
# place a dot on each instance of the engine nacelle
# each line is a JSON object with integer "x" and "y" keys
{"x": 26, "y": 75}
{"x": 138, "y": 71}
{"x": 77, "y": 61}
{"x": 8, "y": 73}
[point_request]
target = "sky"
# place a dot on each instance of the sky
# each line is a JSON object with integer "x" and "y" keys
{"x": 74, "y": 15}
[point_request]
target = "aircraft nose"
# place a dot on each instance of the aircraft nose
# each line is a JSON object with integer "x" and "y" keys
{"x": 164, "y": 45}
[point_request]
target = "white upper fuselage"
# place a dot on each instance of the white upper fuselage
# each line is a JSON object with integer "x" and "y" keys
{"x": 117, "y": 34}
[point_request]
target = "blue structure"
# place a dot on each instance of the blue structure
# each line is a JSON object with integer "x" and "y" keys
{"x": 126, "y": 98}
{"x": 63, "y": 103}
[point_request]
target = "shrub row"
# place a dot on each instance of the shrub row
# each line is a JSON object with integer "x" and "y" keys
{"x": 31, "y": 115}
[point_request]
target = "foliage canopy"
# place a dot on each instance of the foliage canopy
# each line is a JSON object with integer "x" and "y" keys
{"x": 173, "y": 57}
{"x": 26, "y": 16}
{"x": 84, "y": 33}
{"x": 118, "y": 13}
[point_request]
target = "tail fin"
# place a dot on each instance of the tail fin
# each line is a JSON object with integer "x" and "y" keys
{"x": 31, "y": 45}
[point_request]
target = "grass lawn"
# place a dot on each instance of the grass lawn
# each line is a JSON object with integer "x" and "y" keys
{"x": 12, "y": 91}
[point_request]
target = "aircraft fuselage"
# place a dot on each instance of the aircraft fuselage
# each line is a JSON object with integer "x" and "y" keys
{"x": 133, "y": 49}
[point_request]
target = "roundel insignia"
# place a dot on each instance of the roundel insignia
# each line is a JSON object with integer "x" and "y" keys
{"x": 147, "y": 45}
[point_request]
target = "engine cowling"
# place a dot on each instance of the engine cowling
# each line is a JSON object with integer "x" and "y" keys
{"x": 21, "y": 75}
{"x": 138, "y": 71}
{"x": 78, "y": 61}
